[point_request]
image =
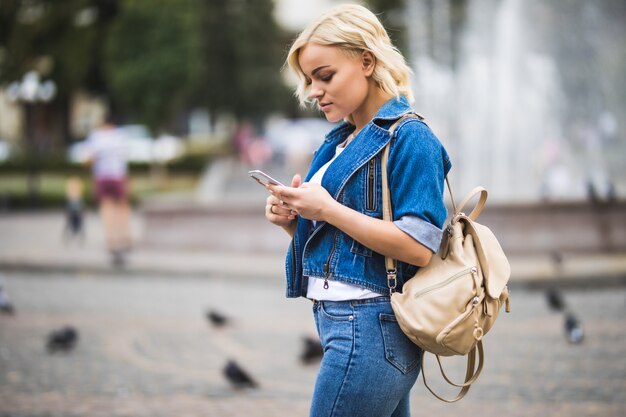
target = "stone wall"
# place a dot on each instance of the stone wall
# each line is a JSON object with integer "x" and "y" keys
{"x": 521, "y": 229}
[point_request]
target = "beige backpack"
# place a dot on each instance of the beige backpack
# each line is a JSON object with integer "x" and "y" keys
{"x": 450, "y": 304}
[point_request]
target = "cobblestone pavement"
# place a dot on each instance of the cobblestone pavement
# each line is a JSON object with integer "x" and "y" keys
{"x": 145, "y": 349}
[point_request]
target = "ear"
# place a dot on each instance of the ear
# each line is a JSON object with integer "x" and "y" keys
{"x": 368, "y": 62}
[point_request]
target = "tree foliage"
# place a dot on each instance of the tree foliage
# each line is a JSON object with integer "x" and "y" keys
{"x": 243, "y": 55}
{"x": 61, "y": 41}
{"x": 54, "y": 38}
{"x": 151, "y": 58}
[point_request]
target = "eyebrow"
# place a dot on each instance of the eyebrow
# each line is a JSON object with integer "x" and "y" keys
{"x": 316, "y": 70}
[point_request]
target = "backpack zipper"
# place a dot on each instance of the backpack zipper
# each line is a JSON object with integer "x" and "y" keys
{"x": 472, "y": 270}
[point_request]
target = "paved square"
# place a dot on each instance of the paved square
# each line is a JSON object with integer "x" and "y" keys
{"x": 146, "y": 349}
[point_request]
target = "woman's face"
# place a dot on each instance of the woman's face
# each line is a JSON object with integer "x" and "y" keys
{"x": 338, "y": 81}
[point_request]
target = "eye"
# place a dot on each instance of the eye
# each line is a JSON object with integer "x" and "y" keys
{"x": 307, "y": 81}
{"x": 326, "y": 77}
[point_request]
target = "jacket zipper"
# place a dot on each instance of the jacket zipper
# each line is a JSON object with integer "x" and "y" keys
{"x": 327, "y": 264}
{"x": 370, "y": 184}
{"x": 456, "y": 276}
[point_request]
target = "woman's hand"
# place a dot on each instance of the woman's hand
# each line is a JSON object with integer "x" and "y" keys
{"x": 313, "y": 202}
{"x": 310, "y": 201}
{"x": 278, "y": 213}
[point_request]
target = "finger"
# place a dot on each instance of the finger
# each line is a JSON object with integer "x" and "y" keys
{"x": 272, "y": 200}
{"x": 275, "y": 209}
{"x": 272, "y": 188}
{"x": 286, "y": 193}
{"x": 281, "y": 211}
{"x": 296, "y": 181}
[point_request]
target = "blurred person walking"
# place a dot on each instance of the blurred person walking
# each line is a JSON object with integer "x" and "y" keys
{"x": 74, "y": 222}
{"x": 347, "y": 65}
{"x": 108, "y": 159}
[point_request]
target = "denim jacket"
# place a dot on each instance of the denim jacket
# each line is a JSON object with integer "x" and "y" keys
{"x": 417, "y": 166}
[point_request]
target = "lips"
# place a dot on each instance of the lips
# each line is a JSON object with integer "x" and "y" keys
{"x": 325, "y": 106}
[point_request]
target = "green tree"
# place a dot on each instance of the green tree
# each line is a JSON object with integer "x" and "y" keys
{"x": 153, "y": 59}
{"x": 60, "y": 41}
{"x": 258, "y": 60}
{"x": 218, "y": 55}
{"x": 243, "y": 51}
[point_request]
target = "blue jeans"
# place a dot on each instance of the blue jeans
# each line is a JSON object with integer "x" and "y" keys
{"x": 369, "y": 365}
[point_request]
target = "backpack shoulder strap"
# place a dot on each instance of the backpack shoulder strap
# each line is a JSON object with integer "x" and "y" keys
{"x": 390, "y": 264}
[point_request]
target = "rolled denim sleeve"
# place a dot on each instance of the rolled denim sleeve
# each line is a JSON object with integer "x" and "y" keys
{"x": 418, "y": 164}
{"x": 424, "y": 232}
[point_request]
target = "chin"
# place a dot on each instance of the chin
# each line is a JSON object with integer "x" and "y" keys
{"x": 333, "y": 118}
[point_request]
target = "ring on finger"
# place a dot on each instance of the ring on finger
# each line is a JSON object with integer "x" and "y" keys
{"x": 272, "y": 209}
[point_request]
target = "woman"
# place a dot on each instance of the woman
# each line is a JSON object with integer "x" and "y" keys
{"x": 107, "y": 149}
{"x": 347, "y": 65}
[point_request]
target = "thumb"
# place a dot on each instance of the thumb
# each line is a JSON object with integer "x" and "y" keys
{"x": 296, "y": 181}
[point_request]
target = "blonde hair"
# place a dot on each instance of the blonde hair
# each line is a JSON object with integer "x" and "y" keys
{"x": 354, "y": 29}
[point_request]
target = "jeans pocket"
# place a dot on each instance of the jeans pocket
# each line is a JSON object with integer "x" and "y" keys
{"x": 399, "y": 350}
{"x": 338, "y": 312}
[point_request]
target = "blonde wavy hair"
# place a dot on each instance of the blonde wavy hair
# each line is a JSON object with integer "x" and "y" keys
{"x": 354, "y": 29}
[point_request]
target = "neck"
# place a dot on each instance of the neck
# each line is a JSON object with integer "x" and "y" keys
{"x": 372, "y": 103}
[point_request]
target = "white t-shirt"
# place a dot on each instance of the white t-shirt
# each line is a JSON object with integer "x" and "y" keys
{"x": 336, "y": 291}
{"x": 108, "y": 152}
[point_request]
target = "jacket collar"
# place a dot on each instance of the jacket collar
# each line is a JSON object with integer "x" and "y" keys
{"x": 393, "y": 109}
{"x": 372, "y": 138}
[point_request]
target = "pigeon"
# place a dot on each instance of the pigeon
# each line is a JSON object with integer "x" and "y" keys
{"x": 62, "y": 340}
{"x": 573, "y": 329}
{"x": 592, "y": 192}
{"x": 217, "y": 319}
{"x": 611, "y": 194}
{"x": 237, "y": 376}
{"x": 118, "y": 258}
{"x": 557, "y": 259}
{"x": 555, "y": 299}
{"x": 5, "y": 305}
{"x": 312, "y": 351}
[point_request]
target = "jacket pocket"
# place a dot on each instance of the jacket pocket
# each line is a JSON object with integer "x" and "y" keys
{"x": 359, "y": 249}
{"x": 371, "y": 177}
{"x": 399, "y": 350}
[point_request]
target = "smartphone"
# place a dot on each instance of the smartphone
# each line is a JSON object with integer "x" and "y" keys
{"x": 263, "y": 179}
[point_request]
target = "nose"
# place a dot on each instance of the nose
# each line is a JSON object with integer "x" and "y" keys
{"x": 315, "y": 92}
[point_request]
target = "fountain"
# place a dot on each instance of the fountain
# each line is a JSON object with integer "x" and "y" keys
{"x": 505, "y": 103}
